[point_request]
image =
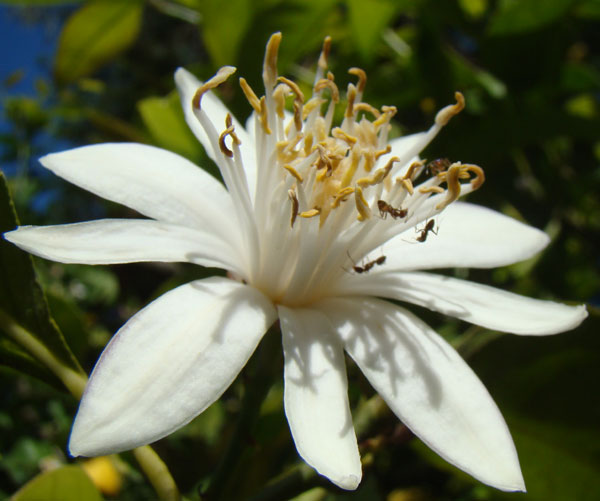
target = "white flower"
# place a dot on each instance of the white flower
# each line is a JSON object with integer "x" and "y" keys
{"x": 302, "y": 224}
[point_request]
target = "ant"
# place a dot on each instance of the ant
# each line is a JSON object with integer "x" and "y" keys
{"x": 428, "y": 228}
{"x": 367, "y": 266}
{"x": 385, "y": 209}
{"x": 438, "y": 165}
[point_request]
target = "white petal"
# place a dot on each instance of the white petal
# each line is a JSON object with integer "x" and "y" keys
{"x": 479, "y": 304}
{"x": 110, "y": 241}
{"x": 411, "y": 144}
{"x": 153, "y": 181}
{"x": 316, "y": 396}
{"x": 429, "y": 387}
{"x": 187, "y": 85}
{"x": 467, "y": 236}
{"x": 168, "y": 363}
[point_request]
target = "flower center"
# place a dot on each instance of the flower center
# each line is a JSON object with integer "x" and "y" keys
{"x": 337, "y": 192}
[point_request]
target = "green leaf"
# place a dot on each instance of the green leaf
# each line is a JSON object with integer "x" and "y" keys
{"x": 165, "y": 122}
{"x": 21, "y": 296}
{"x": 368, "y": 21}
{"x": 39, "y": 3}
{"x": 94, "y": 34}
{"x": 224, "y": 25}
{"x": 520, "y": 16}
{"x": 68, "y": 483}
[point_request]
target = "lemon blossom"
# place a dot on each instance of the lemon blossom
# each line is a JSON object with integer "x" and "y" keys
{"x": 315, "y": 223}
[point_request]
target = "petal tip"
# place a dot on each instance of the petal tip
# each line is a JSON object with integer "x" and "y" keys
{"x": 348, "y": 482}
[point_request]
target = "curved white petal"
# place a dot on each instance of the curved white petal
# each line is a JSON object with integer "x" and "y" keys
{"x": 316, "y": 396}
{"x": 153, "y": 181}
{"x": 479, "y": 304}
{"x": 408, "y": 144}
{"x": 429, "y": 387}
{"x": 110, "y": 241}
{"x": 168, "y": 363}
{"x": 467, "y": 236}
{"x": 187, "y": 85}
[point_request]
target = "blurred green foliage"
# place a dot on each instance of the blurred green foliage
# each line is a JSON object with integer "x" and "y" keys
{"x": 530, "y": 71}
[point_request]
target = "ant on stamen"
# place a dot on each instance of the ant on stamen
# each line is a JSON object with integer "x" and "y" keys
{"x": 428, "y": 228}
{"x": 438, "y": 165}
{"x": 367, "y": 266}
{"x": 385, "y": 209}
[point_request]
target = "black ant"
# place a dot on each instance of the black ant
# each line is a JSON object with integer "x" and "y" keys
{"x": 438, "y": 165}
{"x": 385, "y": 209}
{"x": 367, "y": 266}
{"x": 428, "y": 228}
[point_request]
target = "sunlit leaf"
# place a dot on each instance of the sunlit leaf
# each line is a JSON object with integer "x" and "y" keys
{"x": 164, "y": 120}
{"x": 68, "y": 483}
{"x": 39, "y": 3}
{"x": 20, "y": 294}
{"x": 94, "y": 34}
{"x": 518, "y": 16}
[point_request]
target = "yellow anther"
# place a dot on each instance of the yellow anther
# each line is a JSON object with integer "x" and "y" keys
{"x": 351, "y": 96}
{"x": 364, "y": 212}
{"x": 279, "y": 94}
{"x": 445, "y": 114}
{"x": 378, "y": 176}
{"x": 355, "y": 155}
{"x": 264, "y": 119}
{"x": 223, "y": 74}
{"x": 407, "y": 184}
{"x": 453, "y": 184}
{"x": 294, "y": 86}
{"x": 344, "y": 136}
{"x": 308, "y": 143}
{"x": 388, "y": 113}
{"x": 293, "y": 172}
{"x": 310, "y": 105}
{"x": 412, "y": 171}
{"x": 325, "y": 53}
{"x": 229, "y": 131}
{"x": 342, "y": 196}
{"x": 310, "y": 213}
{"x": 326, "y": 83}
{"x": 432, "y": 189}
{"x": 250, "y": 95}
{"x": 270, "y": 64}
{"x": 479, "y": 178}
{"x": 367, "y": 108}
{"x": 385, "y": 151}
{"x": 295, "y": 205}
{"x": 362, "y": 77}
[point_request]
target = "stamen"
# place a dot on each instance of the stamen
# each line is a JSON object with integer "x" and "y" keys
{"x": 279, "y": 97}
{"x": 295, "y": 205}
{"x": 367, "y": 108}
{"x": 264, "y": 119}
{"x": 342, "y": 196}
{"x": 453, "y": 187}
{"x": 344, "y": 136}
{"x": 364, "y": 212}
{"x": 293, "y": 172}
{"x": 479, "y": 178}
{"x": 362, "y": 77}
{"x": 385, "y": 151}
{"x": 311, "y": 105}
{"x": 310, "y": 213}
{"x": 325, "y": 53}
{"x": 388, "y": 113}
{"x": 250, "y": 95}
{"x": 431, "y": 189}
{"x": 229, "y": 131}
{"x": 223, "y": 74}
{"x": 445, "y": 114}
{"x": 351, "y": 96}
{"x": 378, "y": 176}
{"x": 270, "y": 64}
{"x": 326, "y": 83}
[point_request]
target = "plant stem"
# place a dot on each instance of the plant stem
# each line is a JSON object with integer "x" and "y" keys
{"x": 154, "y": 468}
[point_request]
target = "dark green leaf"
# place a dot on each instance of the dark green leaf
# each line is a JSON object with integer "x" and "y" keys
{"x": 520, "y": 16}
{"x": 21, "y": 296}
{"x": 368, "y": 20}
{"x": 94, "y": 34}
{"x": 68, "y": 483}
